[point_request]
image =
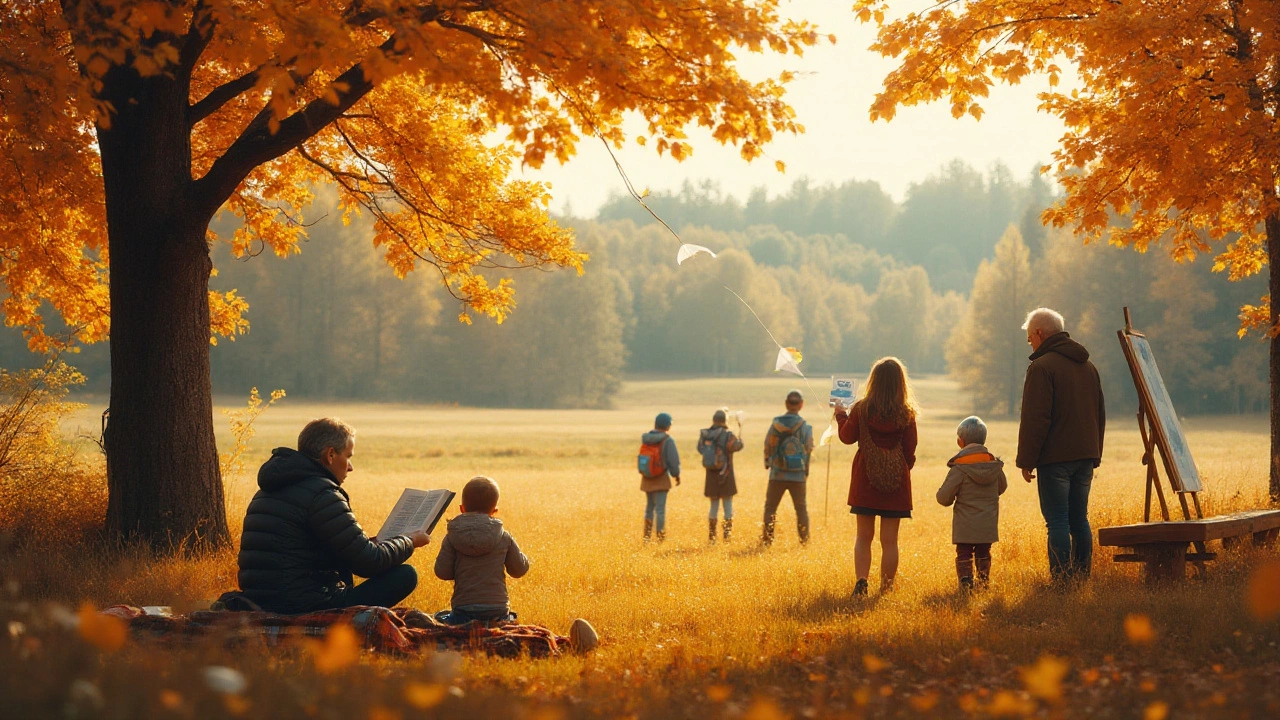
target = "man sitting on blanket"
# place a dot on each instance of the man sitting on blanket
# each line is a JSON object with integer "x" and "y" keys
{"x": 301, "y": 545}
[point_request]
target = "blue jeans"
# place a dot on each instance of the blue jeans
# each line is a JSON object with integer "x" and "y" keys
{"x": 728, "y": 507}
{"x": 655, "y": 508}
{"x": 1064, "y": 502}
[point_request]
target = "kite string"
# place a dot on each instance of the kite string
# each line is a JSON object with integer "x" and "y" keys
{"x": 771, "y": 337}
{"x": 631, "y": 190}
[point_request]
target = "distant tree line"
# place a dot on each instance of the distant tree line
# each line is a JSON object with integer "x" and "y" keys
{"x": 840, "y": 272}
{"x": 1189, "y": 315}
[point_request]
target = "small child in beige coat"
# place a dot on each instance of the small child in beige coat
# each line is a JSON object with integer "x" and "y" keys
{"x": 477, "y": 555}
{"x": 974, "y": 485}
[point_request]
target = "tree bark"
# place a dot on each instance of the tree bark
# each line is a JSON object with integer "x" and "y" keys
{"x": 165, "y": 487}
{"x": 1273, "y": 256}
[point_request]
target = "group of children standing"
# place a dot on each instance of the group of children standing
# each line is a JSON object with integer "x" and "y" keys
{"x": 883, "y": 425}
{"x": 477, "y": 553}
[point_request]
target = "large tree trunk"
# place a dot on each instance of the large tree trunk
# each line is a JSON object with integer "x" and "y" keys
{"x": 162, "y": 464}
{"x": 1273, "y": 257}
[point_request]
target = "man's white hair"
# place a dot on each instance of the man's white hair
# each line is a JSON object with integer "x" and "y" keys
{"x": 1048, "y": 321}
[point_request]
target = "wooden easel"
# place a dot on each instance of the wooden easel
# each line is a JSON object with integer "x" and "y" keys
{"x": 1162, "y": 545}
{"x": 1147, "y": 429}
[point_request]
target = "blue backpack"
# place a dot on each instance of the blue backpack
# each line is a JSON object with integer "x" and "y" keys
{"x": 790, "y": 454}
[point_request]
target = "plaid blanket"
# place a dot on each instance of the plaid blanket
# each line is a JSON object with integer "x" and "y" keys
{"x": 397, "y": 630}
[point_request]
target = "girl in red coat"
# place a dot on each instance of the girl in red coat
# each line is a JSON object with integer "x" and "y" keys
{"x": 883, "y": 423}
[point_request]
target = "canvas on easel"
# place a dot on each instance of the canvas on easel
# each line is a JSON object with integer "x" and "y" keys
{"x": 1159, "y": 426}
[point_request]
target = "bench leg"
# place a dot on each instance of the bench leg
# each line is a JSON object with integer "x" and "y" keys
{"x": 1164, "y": 562}
{"x": 1266, "y": 537}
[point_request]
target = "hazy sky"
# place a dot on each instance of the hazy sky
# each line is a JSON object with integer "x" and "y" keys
{"x": 836, "y": 87}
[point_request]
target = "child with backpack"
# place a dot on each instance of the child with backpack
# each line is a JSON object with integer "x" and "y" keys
{"x": 787, "y": 447}
{"x": 974, "y": 485}
{"x": 883, "y": 424}
{"x": 659, "y": 464}
{"x": 717, "y": 445}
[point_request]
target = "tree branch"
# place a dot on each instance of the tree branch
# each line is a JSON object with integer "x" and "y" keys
{"x": 257, "y": 145}
{"x": 220, "y": 96}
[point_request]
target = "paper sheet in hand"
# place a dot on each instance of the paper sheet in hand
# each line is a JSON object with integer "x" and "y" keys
{"x": 415, "y": 510}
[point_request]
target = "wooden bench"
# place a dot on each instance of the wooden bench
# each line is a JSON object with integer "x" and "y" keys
{"x": 1163, "y": 546}
{"x": 1166, "y": 547}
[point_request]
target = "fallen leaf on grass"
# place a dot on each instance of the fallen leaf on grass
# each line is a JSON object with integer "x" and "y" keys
{"x": 104, "y": 632}
{"x": 424, "y": 696}
{"x": 377, "y": 712}
{"x": 719, "y": 693}
{"x": 339, "y": 649}
{"x": 170, "y": 699}
{"x": 1264, "y": 591}
{"x": 874, "y": 664}
{"x": 1044, "y": 679}
{"x": 925, "y": 702}
{"x": 1138, "y": 629}
{"x": 1158, "y": 710}
{"x": 236, "y": 704}
{"x": 764, "y": 709}
{"x": 1009, "y": 704}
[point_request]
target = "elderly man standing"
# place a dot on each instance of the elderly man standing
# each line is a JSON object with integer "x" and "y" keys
{"x": 1060, "y": 437}
{"x": 302, "y": 546}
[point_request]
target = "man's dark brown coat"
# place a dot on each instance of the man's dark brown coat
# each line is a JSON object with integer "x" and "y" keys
{"x": 1063, "y": 414}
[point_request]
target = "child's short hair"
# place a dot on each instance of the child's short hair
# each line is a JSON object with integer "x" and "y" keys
{"x": 480, "y": 494}
{"x": 972, "y": 430}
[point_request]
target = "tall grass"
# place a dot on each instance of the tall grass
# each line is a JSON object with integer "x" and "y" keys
{"x": 698, "y": 630}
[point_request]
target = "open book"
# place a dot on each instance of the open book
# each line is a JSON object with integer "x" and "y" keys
{"x": 415, "y": 510}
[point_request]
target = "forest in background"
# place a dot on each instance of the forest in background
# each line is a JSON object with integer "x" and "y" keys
{"x": 844, "y": 273}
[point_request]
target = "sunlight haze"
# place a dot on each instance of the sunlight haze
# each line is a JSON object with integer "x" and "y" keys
{"x": 834, "y": 88}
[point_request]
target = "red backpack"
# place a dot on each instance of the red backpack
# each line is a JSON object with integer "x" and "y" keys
{"x": 649, "y": 461}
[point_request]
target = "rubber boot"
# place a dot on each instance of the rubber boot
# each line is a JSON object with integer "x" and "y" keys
{"x": 804, "y": 533}
{"x": 767, "y": 538}
{"x": 662, "y": 535}
{"x": 984, "y": 571}
{"x": 648, "y": 529}
{"x": 728, "y": 529}
{"x": 711, "y": 530}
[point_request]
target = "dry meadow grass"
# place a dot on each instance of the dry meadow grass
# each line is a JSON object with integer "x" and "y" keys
{"x": 692, "y": 630}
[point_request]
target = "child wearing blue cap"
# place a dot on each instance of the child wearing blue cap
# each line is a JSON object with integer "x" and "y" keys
{"x": 659, "y": 464}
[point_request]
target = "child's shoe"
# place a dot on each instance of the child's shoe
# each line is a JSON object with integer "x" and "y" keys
{"x": 728, "y": 529}
{"x": 648, "y": 529}
{"x": 860, "y": 588}
{"x": 711, "y": 531}
{"x": 966, "y": 584}
{"x": 662, "y": 535}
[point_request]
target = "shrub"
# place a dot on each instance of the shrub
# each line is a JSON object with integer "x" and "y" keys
{"x": 48, "y": 493}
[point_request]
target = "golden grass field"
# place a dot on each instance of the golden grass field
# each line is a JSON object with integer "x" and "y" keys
{"x": 727, "y": 630}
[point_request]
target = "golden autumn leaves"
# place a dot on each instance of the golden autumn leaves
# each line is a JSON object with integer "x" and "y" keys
{"x": 1170, "y": 116}
{"x": 417, "y": 116}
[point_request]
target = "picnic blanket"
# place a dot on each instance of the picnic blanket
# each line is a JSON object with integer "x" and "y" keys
{"x": 396, "y": 630}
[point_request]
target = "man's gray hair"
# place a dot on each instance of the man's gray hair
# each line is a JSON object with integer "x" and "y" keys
{"x": 972, "y": 431}
{"x": 320, "y": 435}
{"x": 1048, "y": 321}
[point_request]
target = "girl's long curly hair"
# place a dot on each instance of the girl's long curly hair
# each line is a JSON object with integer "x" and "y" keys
{"x": 888, "y": 396}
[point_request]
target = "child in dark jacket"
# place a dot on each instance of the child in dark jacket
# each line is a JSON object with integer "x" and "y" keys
{"x": 477, "y": 554}
{"x": 974, "y": 485}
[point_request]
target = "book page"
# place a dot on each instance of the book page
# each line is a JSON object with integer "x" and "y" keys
{"x": 415, "y": 510}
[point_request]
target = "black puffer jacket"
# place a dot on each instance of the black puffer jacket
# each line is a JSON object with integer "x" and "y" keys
{"x": 301, "y": 543}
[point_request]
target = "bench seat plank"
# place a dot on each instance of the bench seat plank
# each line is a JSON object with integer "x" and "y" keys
{"x": 1213, "y": 528}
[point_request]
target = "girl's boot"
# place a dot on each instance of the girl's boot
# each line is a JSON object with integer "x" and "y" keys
{"x": 728, "y": 529}
{"x": 711, "y": 530}
{"x": 648, "y": 529}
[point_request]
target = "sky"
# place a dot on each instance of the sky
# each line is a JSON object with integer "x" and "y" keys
{"x": 832, "y": 95}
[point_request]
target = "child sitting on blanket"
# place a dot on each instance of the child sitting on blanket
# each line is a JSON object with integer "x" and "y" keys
{"x": 477, "y": 554}
{"x": 974, "y": 484}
